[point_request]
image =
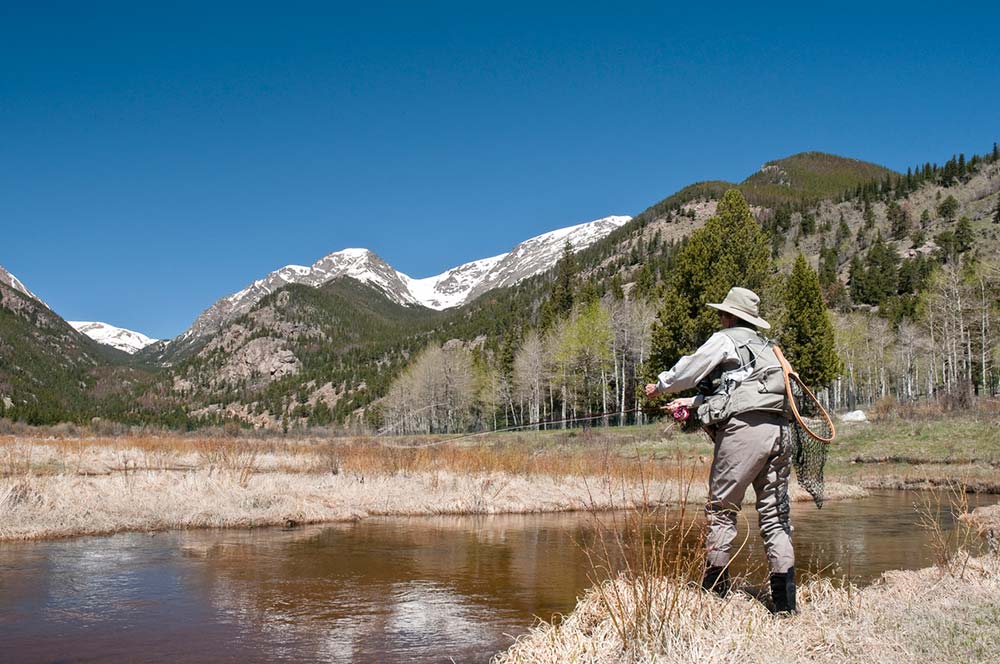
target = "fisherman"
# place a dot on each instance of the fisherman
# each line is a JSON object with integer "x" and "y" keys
{"x": 741, "y": 404}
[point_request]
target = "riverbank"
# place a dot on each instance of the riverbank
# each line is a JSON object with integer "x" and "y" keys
{"x": 59, "y": 483}
{"x": 61, "y": 488}
{"x": 908, "y": 616}
{"x": 920, "y": 447}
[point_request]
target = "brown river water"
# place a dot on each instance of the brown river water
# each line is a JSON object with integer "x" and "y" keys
{"x": 422, "y": 589}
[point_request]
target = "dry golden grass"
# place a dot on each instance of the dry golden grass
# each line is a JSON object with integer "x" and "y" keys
{"x": 586, "y": 455}
{"x": 71, "y": 486}
{"x": 654, "y": 611}
{"x": 919, "y": 616}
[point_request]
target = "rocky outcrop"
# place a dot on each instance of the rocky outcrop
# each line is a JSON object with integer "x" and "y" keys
{"x": 262, "y": 360}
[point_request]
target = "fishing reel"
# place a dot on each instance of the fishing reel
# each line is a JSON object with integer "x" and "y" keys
{"x": 682, "y": 417}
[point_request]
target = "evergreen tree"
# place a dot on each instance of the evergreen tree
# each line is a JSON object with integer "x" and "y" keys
{"x": 560, "y": 300}
{"x": 869, "y": 215}
{"x": 843, "y": 233}
{"x": 856, "y": 277}
{"x": 670, "y": 332}
{"x": 808, "y": 223}
{"x": 947, "y": 246}
{"x": 807, "y": 333}
{"x": 645, "y": 282}
{"x": 996, "y": 211}
{"x": 876, "y": 278}
{"x": 588, "y": 293}
{"x": 948, "y": 208}
{"x": 617, "y": 292}
{"x": 899, "y": 220}
{"x": 881, "y": 267}
{"x": 828, "y": 262}
{"x": 925, "y": 218}
{"x": 729, "y": 250}
{"x": 964, "y": 237}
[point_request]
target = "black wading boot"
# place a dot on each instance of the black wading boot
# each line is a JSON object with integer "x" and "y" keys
{"x": 783, "y": 591}
{"x": 716, "y": 579}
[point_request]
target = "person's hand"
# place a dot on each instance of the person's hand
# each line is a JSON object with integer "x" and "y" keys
{"x": 684, "y": 402}
{"x": 651, "y": 390}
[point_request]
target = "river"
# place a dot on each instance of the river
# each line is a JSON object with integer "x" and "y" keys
{"x": 421, "y": 589}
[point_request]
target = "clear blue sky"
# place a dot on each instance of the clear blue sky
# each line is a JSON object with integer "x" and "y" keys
{"x": 154, "y": 159}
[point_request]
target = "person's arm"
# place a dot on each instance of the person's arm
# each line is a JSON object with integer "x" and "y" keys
{"x": 691, "y": 369}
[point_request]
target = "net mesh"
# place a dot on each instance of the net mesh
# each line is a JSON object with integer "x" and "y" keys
{"x": 808, "y": 454}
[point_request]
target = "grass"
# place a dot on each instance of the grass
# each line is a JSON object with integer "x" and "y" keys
{"x": 654, "y": 611}
{"x": 63, "y": 486}
{"x": 58, "y": 483}
{"x": 915, "y": 616}
{"x": 919, "y": 447}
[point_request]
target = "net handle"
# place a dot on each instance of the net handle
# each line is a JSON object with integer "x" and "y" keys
{"x": 788, "y": 372}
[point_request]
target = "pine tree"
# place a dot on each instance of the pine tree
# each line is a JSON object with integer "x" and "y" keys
{"x": 843, "y": 233}
{"x": 669, "y": 333}
{"x": 964, "y": 236}
{"x": 808, "y": 223}
{"x": 925, "y": 218}
{"x": 899, "y": 220}
{"x": 948, "y": 208}
{"x": 881, "y": 272}
{"x": 857, "y": 278}
{"x": 996, "y": 211}
{"x": 807, "y": 333}
{"x": 560, "y": 300}
{"x": 869, "y": 215}
{"x": 828, "y": 263}
{"x": 617, "y": 292}
{"x": 729, "y": 250}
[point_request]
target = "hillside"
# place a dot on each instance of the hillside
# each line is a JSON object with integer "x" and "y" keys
{"x": 808, "y": 177}
{"x": 326, "y": 353}
{"x": 49, "y": 372}
{"x": 447, "y": 290}
{"x": 300, "y": 353}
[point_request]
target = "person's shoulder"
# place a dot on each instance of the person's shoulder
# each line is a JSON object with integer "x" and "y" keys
{"x": 719, "y": 338}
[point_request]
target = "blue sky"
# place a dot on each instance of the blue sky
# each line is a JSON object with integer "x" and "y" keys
{"x": 154, "y": 159}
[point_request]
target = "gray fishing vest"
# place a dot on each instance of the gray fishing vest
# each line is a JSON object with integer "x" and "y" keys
{"x": 727, "y": 392}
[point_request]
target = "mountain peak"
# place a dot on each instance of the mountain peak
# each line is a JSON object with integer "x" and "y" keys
{"x": 15, "y": 283}
{"x": 117, "y": 337}
{"x": 449, "y": 289}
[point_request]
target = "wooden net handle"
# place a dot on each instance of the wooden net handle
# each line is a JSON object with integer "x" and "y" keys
{"x": 788, "y": 372}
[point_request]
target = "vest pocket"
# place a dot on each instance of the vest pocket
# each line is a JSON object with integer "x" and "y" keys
{"x": 772, "y": 381}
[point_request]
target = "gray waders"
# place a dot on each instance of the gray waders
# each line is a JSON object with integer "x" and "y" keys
{"x": 751, "y": 449}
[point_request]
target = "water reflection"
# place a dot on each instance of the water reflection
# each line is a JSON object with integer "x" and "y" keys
{"x": 387, "y": 590}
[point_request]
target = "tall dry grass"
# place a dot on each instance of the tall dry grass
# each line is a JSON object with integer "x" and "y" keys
{"x": 64, "y": 486}
{"x": 639, "y": 549}
{"x": 654, "y": 610}
{"x": 594, "y": 455}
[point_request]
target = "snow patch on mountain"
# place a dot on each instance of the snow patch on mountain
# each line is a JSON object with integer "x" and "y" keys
{"x": 451, "y": 288}
{"x": 109, "y": 335}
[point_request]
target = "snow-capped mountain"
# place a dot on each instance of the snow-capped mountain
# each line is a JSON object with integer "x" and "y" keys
{"x": 116, "y": 337}
{"x": 451, "y": 288}
{"x": 15, "y": 283}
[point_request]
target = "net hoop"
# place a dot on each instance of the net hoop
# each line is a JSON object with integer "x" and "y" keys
{"x": 790, "y": 375}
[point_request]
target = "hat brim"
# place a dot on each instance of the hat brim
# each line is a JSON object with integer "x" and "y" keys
{"x": 742, "y": 315}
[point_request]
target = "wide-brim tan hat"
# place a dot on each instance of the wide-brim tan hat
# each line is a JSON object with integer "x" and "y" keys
{"x": 742, "y": 303}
